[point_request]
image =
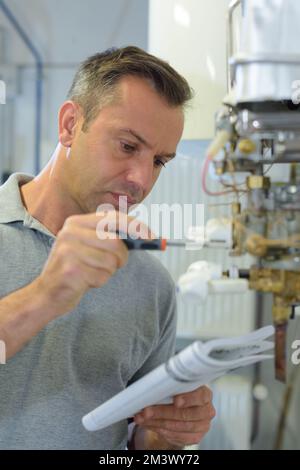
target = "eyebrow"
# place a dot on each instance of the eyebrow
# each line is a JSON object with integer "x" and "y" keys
{"x": 147, "y": 144}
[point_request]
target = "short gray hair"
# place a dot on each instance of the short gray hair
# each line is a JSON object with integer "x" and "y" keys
{"x": 95, "y": 82}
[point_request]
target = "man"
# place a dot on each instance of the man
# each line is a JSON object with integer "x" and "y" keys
{"x": 80, "y": 317}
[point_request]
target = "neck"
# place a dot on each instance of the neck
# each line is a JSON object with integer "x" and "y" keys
{"x": 46, "y": 198}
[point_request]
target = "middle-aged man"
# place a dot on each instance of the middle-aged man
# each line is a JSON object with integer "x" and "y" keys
{"x": 80, "y": 317}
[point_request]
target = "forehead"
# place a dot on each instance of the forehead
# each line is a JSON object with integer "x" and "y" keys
{"x": 133, "y": 90}
{"x": 140, "y": 107}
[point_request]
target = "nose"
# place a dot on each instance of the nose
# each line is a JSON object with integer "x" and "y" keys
{"x": 140, "y": 174}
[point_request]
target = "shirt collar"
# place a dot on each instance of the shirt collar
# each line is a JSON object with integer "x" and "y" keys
{"x": 11, "y": 205}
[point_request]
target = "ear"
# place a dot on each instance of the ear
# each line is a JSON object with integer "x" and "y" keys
{"x": 70, "y": 120}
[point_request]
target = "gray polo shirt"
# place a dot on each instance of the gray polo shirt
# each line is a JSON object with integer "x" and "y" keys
{"x": 116, "y": 334}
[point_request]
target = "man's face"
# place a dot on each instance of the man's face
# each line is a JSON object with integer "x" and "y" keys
{"x": 124, "y": 148}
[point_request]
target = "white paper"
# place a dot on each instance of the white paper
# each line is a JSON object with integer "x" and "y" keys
{"x": 198, "y": 364}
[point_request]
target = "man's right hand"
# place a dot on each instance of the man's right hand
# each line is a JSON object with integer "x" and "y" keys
{"x": 81, "y": 259}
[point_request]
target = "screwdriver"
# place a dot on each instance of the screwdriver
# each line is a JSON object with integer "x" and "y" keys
{"x": 155, "y": 244}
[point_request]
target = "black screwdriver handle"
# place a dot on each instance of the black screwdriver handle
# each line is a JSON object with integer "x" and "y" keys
{"x": 139, "y": 244}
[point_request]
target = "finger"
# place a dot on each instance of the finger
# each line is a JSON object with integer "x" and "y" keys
{"x": 88, "y": 238}
{"x": 94, "y": 257}
{"x": 92, "y": 220}
{"x": 178, "y": 426}
{"x": 91, "y": 277}
{"x": 137, "y": 229}
{"x": 199, "y": 397}
{"x": 81, "y": 234}
{"x": 124, "y": 224}
{"x": 194, "y": 413}
{"x": 117, "y": 247}
{"x": 96, "y": 278}
{"x": 111, "y": 221}
{"x": 181, "y": 439}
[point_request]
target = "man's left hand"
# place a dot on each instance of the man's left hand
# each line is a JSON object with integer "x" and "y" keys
{"x": 184, "y": 422}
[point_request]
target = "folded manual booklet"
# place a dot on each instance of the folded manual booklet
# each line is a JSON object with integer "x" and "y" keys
{"x": 198, "y": 364}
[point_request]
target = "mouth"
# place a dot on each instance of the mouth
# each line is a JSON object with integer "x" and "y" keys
{"x": 125, "y": 199}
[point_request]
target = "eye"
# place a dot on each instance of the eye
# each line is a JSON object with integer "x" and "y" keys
{"x": 159, "y": 163}
{"x": 127, "y": 148}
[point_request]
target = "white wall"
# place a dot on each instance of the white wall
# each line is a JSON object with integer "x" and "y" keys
{"x": 65, "y": 32}
{"x": 191, "y": 35}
